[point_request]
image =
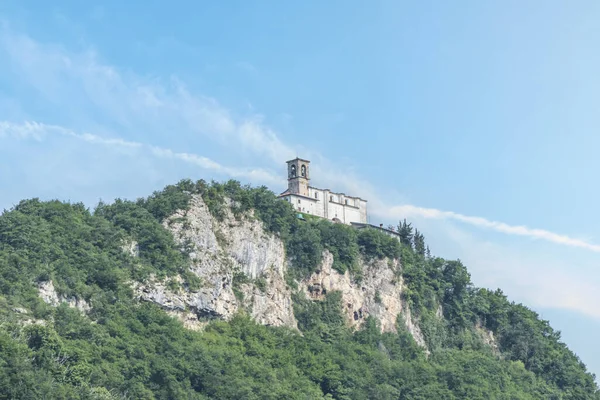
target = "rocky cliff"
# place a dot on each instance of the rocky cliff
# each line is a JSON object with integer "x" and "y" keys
{"x": 241, "y": 266}
{"x": 222, "y": 265}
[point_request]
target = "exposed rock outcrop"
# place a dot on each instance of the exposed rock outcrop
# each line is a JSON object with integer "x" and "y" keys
{"x": 379, "y": 293}
{"x": 131, "y": 247}
{"x": 413, "y": 326}
{"x": 487, "y": 337}
{"x": 49, "y": 295}
{"x": 219, "y": 251}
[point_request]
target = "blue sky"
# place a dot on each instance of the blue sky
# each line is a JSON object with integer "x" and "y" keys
{"x": 478, "y": 121}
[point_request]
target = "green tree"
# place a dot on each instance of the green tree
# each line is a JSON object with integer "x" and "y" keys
{"x": 406, "y": 233}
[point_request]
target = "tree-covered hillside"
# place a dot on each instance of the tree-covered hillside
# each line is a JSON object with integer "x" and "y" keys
{"x": 124, "y": 348}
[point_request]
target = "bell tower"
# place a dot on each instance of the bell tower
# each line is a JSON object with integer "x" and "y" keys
{"x": 298, "y": 176}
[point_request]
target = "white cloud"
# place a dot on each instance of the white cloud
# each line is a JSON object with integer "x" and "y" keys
{"x": 39, "y": 131}
{"x": 254, "y": 174}
{"x": 406, "y": 211}
{"x": 536, "y": 277}
{"x": 86, "y": 87}
{"x": 22, "y": 131}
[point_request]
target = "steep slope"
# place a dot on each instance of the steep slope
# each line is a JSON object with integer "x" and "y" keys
{"x": 242, "y": 267}
{"x": 265, "y": 306}
{"x": 228, "y": 256}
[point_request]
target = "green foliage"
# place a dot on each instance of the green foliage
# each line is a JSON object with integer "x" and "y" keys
{"x": 164, "y": 203}
{"x": 239, "y": 279}
{"x": 375, "y": 244}
{"x": 304, "y": 240}
{"x": 341, "y": 242}
{"x": 304, "y": 249}
{"x": 522, "y": 337}
{"x": 261, "y": 284}
{"x": 406, "y": 233}
{"x": 419, "y": 243}
{"x": 126, "y": 349}
{"x": 313, "y": 316}
{"x": 377, "y": 297}
{"x": 192, "y": 281}
{"x": 156, "y": 245}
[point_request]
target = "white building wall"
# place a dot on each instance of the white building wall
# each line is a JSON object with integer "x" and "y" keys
{"x": 320, "y": 204}
{"x": 352, "y": 215}
{"x": 363, "y": 212}
{"x": 336, "y": 210}
{"x": 325, "y": 204}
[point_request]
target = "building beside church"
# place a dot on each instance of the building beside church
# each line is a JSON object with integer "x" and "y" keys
{"x": 323, "y": 203}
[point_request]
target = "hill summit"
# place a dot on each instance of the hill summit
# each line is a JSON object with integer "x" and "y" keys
{"x": 218, "y": 290}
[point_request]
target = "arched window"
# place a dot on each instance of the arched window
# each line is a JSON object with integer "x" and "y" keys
{"x": 293, "y": 171}
{"x": 303, "y": 170}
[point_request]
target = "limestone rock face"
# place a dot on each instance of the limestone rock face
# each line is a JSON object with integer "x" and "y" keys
{"x": 487, "y": 337}
{"x": 379, "y": 294}
{"x": 413, "y": 326}
{"x": 49, "y": 295}
{"x": 220, "y": 250}
{"x": 131, "y": 247}
{"x": 241, "y": 266}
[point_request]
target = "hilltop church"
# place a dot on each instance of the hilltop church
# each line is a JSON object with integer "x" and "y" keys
{"x": 323, "y": 203}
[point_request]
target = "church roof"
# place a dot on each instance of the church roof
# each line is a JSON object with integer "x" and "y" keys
{"x": 338, "y": 193}
{"x": 288, "y": 193}
{"x": 360, "y": 225}
{"x": 299, "y": 159}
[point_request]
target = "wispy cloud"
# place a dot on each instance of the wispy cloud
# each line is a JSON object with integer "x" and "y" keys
{"x": 81, "y": 83}
{"x": 518, "y": 230}
{"x": 538, "y": 278}
{"x": 22, "y": 131}
{"x": 253, "y": 174}
{"x": 39, "y": 131}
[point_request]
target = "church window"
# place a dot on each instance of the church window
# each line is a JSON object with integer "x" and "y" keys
{"x": 330, "y": 198}
{"x": 346, "y": 201}
{"x": 298, "y": 201}
{"x": 316, "y": 195}
{"x": 303, "y": 170}
{"x": 293, "y": 171}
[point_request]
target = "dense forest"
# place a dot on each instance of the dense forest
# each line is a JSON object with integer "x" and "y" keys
{"x": 124, "y": 348}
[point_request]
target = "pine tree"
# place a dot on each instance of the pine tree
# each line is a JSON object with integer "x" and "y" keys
{"x": 419, "y": 242}
{"x": 406, "y": 233}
